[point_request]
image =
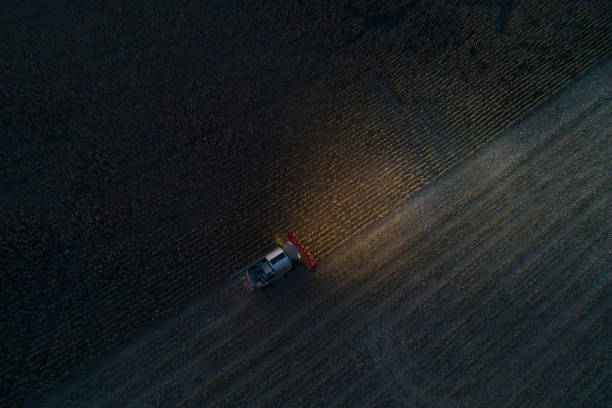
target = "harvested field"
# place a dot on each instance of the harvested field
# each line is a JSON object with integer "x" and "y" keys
{"x": 491, "y": 287}
{"x": 149, "y": 152}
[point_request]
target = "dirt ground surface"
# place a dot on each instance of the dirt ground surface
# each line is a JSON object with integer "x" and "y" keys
{"x": 491, "y": 287}
{"x": 151, "y": 149}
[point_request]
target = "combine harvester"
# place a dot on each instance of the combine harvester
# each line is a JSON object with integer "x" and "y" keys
{"x": 261, "y": 273}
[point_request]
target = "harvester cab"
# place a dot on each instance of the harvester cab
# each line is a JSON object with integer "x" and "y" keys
{"x": 276, "y": 263}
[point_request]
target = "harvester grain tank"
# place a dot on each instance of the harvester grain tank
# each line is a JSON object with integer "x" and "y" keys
{"x": 276, "y": 263}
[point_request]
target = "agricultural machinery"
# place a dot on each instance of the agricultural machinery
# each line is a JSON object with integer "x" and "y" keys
{"x": 261, "y": 273}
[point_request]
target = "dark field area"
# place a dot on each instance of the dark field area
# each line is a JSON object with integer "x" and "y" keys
{"x": 149, "y": 151}
{"x": 491, "y": 287}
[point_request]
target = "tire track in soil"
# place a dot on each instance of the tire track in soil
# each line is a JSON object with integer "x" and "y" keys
{"x": 381, "y": 334}
{"x": 423, "y": 373}
{"x": 586, "y": 311}
{"x": 504, "y": 278}
{"x": 398, "y": 374}
{"x": 403, "y": 371}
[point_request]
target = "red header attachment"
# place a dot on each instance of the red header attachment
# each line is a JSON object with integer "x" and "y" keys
{"x": 309, "y": 260}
